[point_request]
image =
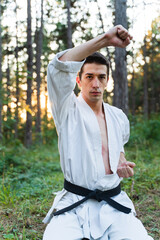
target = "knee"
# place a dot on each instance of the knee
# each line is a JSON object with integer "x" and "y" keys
{"x": 58, "y": 233}
{"x": 51, "y": 233}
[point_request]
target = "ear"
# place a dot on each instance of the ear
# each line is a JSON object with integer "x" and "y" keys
{"x": 78, "y": 81}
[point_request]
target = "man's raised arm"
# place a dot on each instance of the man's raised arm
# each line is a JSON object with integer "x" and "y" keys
{"x": 117, "y": 36}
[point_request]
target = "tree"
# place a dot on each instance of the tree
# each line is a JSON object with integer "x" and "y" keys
{"x": 153, "y": 41}
{"x": 145, "y": 82}
{"x": 7, "y": 124}
{"x": 69, "y": 24}
{"x": 0, "y": 74}
{"x": 147, "y": 90}
{"x": 152, "y": 44}
{"x": 109, "y": 55}
{"x": 120, "y": 99}
{"x": 28, "y": 137}
{"x": 39, "y": 42}
{"x": 102, "y": 27}
{"x": 17, "y": 77}
{"x": 132, "y": 95}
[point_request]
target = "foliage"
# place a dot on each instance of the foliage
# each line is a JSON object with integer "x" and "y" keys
{"x": 151, "y": 40}
{"x": 144, "y": 131}
{"x": 29, "y": 177}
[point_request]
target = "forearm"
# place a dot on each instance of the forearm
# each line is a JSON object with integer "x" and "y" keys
{"x": 82, "y": 51}
{"x": 122, "y": 158}
{"x": 116, "y": 36}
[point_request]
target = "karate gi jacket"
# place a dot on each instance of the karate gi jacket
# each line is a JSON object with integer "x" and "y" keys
{"x": 80, "y": 147}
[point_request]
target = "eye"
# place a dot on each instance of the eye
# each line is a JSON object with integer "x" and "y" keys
{"x": 89, "y": 77}
{"x": 102, "y": 77}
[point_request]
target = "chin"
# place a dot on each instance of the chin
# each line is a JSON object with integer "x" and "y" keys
{"x": 96, "y": 98}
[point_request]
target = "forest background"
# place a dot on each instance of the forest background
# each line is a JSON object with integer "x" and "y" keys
{"x": 31, "y": 33}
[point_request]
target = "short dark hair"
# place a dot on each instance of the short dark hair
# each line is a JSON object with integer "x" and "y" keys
{"x": 98, "y": 58}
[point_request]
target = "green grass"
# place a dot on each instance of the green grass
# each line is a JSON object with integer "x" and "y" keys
{"x": 26, "y": 189}
{"x": 144, "y": 187}
{"x": 29, "y": 177}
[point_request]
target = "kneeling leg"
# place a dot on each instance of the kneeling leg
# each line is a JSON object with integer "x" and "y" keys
{"x": 65, "y": 226}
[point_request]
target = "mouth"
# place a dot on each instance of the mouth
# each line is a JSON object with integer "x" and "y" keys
{"x": 95, "y": 93}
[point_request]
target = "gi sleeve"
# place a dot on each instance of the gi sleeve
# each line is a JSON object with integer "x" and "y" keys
{"x": 61, "y": 81}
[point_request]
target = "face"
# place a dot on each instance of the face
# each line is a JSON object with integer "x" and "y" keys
{"x": 93, "y": 82}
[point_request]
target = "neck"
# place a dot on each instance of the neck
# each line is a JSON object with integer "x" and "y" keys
{"x": 97, "y": 107}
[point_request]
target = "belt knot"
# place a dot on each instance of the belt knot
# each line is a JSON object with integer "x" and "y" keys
{"x": 96, "y": 194}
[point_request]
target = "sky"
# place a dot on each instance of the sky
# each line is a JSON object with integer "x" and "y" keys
{"x": 143, "y": 13}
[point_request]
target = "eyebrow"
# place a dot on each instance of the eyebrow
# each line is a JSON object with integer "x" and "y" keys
{"x": 103, "y": 74}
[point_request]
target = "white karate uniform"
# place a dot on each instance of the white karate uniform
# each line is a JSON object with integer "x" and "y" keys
{"x": 80, "y": 148}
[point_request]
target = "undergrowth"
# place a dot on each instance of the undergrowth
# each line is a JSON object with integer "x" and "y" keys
{"x": 30, "y": 176}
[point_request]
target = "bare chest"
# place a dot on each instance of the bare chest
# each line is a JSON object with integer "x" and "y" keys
{"x": 104, "y": 140}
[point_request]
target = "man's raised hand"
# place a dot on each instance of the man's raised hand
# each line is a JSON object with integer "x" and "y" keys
{"x": 118, "y": 36}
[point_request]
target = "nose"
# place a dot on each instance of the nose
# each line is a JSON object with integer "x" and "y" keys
{"x": 95, "y": 82}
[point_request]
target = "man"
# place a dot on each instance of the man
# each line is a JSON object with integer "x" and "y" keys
{"x": 91, "y": 138}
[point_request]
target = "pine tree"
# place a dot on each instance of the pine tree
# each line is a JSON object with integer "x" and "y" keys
{"x": 28, "y": 136}
{"x": 0, "y": 73}
{"x": 120, "y": 75}
{"x": 39, "y": 42}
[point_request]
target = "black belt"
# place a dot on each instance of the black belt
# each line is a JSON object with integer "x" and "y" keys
{"x": 89, "y": 194}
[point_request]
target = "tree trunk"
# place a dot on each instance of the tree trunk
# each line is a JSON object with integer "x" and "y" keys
{"x": 133, "y": 103}
{"x": 17, "y": 78}
{"x": 145, "y": 82}
{"x": 0, "y": 75}
{"x": 39, "y": 41}
{"x": 107, "y": 49}
{"x": 133, "y": 94}
{"x": 133, "y": 108}
{"x": 7, "y": 133}
{"x": 153, "y": 92}
{"x": 120, "y": 75}
{"x": 46, "y": 96}
{"x": 46, "y": 105}
{"x": 28, "y": 137}
{"x": 69, "y": 24}
{"x": 8, "y": 90}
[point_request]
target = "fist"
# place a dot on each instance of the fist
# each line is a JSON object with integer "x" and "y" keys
{"x": 118, "y": 36}
{"x": 125, "y": 169}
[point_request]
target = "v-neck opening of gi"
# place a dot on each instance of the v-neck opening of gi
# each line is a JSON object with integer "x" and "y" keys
{"x": 80, "y": 96}
{"x": 106, "y": 121}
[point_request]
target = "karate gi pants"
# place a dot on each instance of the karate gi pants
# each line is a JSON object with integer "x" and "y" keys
{"x": 67, "y": 227}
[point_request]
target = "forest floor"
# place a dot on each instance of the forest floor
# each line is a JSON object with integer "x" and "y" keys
{"x": 29, "y": 177}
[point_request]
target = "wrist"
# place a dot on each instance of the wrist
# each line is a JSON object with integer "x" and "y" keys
{"x": 122, "y": 158}
{"x": 99, "y": 42}
{"x": 104, "y": 40}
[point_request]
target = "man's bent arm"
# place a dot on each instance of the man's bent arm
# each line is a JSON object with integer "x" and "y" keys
{"x": 125, "y": 168}
{"x": 117, "y": 36}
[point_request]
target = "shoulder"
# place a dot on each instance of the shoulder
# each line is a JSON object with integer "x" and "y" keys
{"x": 115, "y": 110}
{"x": 120, "y": 117}
{"x": 68, "y": 66}
{"x": 117, "y": 114}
